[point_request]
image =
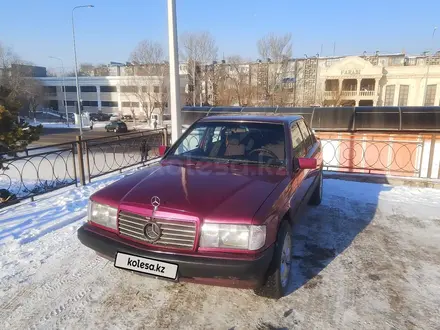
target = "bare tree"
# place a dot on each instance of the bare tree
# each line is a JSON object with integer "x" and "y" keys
{"x": 10, "y": 78}
{"x": 198, "y": 49}
{"x": 147, "y": 52}
{"x": 277, "y": 51}
{"x": 86, "y": 69}
{"x": 237, "y": 80}
{"x": 33, "y": 93}
{"x": 277, "y": 48}
{"x": 149, "y": 78}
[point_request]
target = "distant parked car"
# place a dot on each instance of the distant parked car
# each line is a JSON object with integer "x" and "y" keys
{"x": 99, "y": 116}
{"x": 117, "y": 127}
{"x": 127, "y": 117}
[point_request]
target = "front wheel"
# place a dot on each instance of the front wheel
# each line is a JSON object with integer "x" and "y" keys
{"x": 316, "y": 197}
{"x": 278, "y": 278}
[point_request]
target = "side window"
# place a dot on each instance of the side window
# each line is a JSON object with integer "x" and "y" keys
{"x": 297, "y": 141}
{"x": 306, "y": 134}
{"x": 312, "y": 135}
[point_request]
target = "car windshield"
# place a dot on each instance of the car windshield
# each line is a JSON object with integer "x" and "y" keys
{"x": 253, "y": 143}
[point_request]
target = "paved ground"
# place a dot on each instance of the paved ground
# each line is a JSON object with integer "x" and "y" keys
{"x": 366, "y": 258}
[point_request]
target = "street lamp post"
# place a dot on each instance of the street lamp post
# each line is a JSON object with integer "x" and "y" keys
{"x": 428, "y": 66}
{"x": 176, "y": 124}
{"x": 78, "y": 98}
{"x": 64, "y": 87}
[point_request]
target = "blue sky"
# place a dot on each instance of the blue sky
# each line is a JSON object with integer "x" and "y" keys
{"x": 108, "y": 32}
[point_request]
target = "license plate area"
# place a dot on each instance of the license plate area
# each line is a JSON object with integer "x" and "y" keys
{"x": 162, "y": 269}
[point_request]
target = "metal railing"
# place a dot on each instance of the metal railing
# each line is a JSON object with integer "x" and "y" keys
{"x": 381, "y": 155}
{"x": 107, "y": 155}
{"x": 37, "y": 171}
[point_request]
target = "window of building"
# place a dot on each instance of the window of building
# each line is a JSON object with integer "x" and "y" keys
{"x": 50, "y": 90}
{"x": 403, "y": 95}
{"x": 53, "y": 104}
{"x": 112, "y": 104}
{"x": 108, "y": 89}
{"x": 130, "y": 104}
{"x": 156, "y": 89}
{"x": 70, "y": 89}
{"x": 129, "y": 89}
{"x": 70, "y": 103}
{"x": 88, "y": 89}
{"x": 90, "y": 103}
{"x": 331, "y": 85}
{"x": 389, "y": 95}
{"x": 156, "y": 105}
{"x": 430, "y": 94}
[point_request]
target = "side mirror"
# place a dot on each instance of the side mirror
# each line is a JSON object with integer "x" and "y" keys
{"x": 163, "y": 150}
{"x": 307, "y": 163}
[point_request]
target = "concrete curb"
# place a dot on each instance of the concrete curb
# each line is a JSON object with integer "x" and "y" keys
{"x": 384, "y": 179}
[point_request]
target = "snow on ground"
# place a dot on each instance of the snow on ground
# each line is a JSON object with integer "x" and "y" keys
{"x": 53, "y": 125}
{"x": 366, "y": 258}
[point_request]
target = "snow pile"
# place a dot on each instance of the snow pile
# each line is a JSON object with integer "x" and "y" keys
{"x": 367, "y": 256}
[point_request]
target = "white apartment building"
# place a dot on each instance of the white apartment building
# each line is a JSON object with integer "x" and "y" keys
{"x": 123, "y": 94}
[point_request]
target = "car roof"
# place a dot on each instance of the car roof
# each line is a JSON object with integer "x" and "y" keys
{"x": 253, "y": 118}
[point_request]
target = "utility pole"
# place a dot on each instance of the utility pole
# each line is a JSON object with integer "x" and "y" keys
{"x": 176, "y": 125}
{"x": 78, "y": 98}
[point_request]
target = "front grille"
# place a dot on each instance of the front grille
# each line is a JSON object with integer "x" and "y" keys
{"x": 175, "y": 233}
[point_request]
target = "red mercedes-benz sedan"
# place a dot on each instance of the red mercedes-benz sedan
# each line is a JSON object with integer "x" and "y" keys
{"x": 217, "y": 209}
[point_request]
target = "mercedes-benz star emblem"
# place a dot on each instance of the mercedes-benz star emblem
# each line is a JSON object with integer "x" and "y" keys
{"x": 155, "y": 201}
{"x": 152, "y": 232}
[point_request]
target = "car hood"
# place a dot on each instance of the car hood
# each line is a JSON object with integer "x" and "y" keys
{"x": 213, "y": 192}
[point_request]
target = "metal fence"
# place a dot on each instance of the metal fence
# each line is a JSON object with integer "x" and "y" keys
{"x": 107, "y": 155}
{"x": 36, "y": 171}
{"x": 392, "y": 155}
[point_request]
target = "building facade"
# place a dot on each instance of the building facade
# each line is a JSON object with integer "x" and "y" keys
{"x": 377, "y": 80}
{"x": 142, "y": 96}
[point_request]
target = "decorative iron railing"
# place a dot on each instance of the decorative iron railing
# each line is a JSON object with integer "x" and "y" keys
{"x": 36, "y": 171}
{"x": 107, "y": 155}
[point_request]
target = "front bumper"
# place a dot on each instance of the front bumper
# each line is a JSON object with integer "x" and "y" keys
{"x": 249, "y": 273}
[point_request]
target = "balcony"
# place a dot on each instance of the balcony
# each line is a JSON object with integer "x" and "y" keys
{"x": 366, "y": 93}
{"x": 349, "y": 93}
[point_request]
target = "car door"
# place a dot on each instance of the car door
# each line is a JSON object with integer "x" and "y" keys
{"x": 312, "y": 148}
{"x": 298, "y": 190}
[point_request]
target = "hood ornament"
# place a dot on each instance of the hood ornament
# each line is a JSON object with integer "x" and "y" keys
{"x": 155, "y": 202}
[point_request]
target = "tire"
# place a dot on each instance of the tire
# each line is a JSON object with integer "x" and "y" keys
{"x": 316, "y": 197}
{"x": 278, "y": 277}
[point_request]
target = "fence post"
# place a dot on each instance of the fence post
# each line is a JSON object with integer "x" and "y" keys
{"x": 431, "y": 155}
{"x": 89, "y": 175}
{"x": 165, "y": 136}
{"x": 79, "y": 149}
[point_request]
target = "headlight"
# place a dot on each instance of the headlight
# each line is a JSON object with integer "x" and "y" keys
{"x": 103, "y": 215}
{"x": 245, "y": 237}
